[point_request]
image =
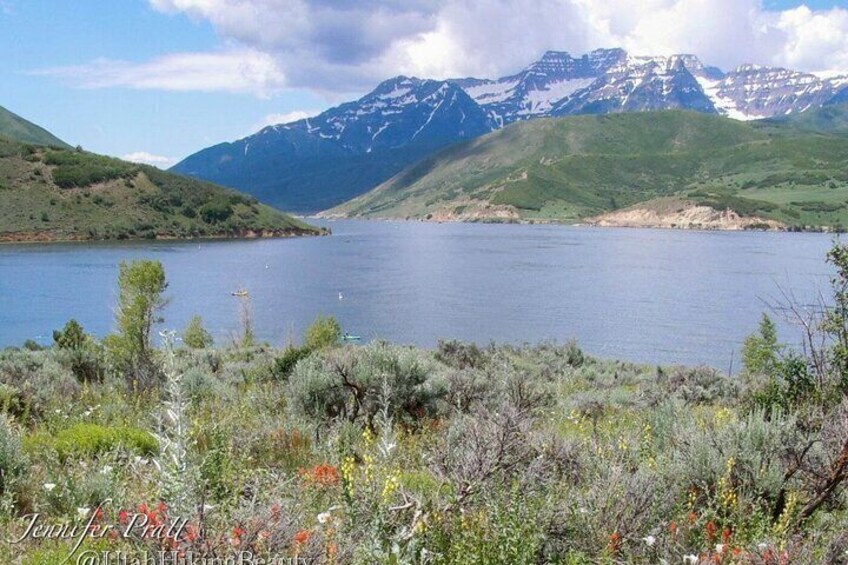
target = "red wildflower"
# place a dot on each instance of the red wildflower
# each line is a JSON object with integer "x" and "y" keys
{"x": 672, "y": 527}
{"x": 725, "y": 535}
{"x": 301, "y": 537}
{"x": 692, "y": 517}
{"x": 710, "y": 530}
{"x": 325, "y": 475}
{"x": 123, "y": 517}
{"x": 615, "y": 542}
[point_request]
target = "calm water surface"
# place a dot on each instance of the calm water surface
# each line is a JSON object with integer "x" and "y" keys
{"x": 658, "y": 296}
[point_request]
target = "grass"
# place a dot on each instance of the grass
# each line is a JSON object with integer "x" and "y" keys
{"x": 63, "y": 194}
{"x": 531, "y": 454}
{"x": 793, "y": 171}
{"x": 15, "y": 127}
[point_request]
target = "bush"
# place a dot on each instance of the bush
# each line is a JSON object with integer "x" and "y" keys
{"x": 89, "y": 440}
{"x": 31, "y": 381}
{"x": 324, "y": 332}
{"x": 79, "y": 353}
{"x": 354, "y": 383}
{"x": 285, "y": 364}
{"x": 195, "y": 335}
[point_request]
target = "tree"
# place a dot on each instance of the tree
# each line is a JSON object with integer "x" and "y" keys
{"x": 323, "y": 332}
{"x": 71, "y": 337}
{"x": 140, "y": 288}
{"x": 195, "y": 335}
{"x": 760, "y": 350}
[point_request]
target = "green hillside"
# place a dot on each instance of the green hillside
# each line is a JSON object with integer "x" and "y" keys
{"x": 15, "y": 127}
{"x": 54, "y": 194}
{"x": 572, "y": 168}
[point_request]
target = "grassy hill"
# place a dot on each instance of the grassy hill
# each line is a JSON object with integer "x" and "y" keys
{"x": 57, "y": 194}
{"x": 569, "y": 169}
{"x": 16, "y": 128}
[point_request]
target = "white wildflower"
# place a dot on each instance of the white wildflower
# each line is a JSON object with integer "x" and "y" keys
{"x": 49, "y": 486}
{"x": 83, "y": 512}
{"x": 107, "y": 470}
{"x": 649, "y": 540}
{"x": 324, "y": 517}
{"x": 719, "y": 547}
{"x": 690, "y": 558}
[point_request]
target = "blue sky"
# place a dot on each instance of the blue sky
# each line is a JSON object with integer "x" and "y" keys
{"x": 169, "y": 77}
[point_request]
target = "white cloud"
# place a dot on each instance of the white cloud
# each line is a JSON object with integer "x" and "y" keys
{"x": 234, "y": 70}
{"x": 284, "y": 118}
{"x": 149, "y": 159}
{"x": 343, "y": 46}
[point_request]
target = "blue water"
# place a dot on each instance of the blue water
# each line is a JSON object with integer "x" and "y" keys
{"x": 658, "y": 296}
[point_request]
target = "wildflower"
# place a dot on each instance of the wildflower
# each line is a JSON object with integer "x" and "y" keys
{"x": 672, "y": 528}
{"x": 106, "y": 470}
{"x": 691, "y": 558}
{"x": 323, "y": 475}
{"x": 649, "y": 540}
{"x": 49, "y": 486}
{"x": 615, "y": 542}
{"x": 324, "y": 517}
{"x": 762, "y": 546}
{"x": 83, "y": 512}
{"x": 301, "y": 537}
{"x": 719, "y": 547}
{"x": 710, "y": 530}
{"x": 123, "y": 517}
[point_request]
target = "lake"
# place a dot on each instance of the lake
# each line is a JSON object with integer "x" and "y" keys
{"x": 656, "y": 296}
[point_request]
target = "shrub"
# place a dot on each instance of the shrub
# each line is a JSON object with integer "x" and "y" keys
{"x": 459, "y": 355}
{"x": 324, "y": 332}
{"x": 79, "y": 352}
{"x": 285, "y": 364}
{"x": 31, "y": 381}
{"x": 89, "y": 440}
{"x": 195, "y": 335}
{"x": 353, "y": 383}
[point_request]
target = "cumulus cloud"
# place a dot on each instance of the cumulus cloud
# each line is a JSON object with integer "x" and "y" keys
{"x": 149, "y": 159}
{"x": 344, "y": 46}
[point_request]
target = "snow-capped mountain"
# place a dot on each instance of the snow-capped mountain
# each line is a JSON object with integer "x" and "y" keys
{"x": 316, "y": 163}
{"x": 611, "y": 80}
{"x": 319, "y": 162}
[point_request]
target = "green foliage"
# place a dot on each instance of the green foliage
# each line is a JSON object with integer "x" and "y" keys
{"x": 836, "y": 320}
{"x": 195, "y": 335}
{"x": 140, "y": 288}
{"x": 353, "y": 384}
{"x": 760, "y": 350}
{"x": 285, "y": 364}
{"x": 78, "y": 169}
{"x": 90, "y": 440}
{"x": 324, "y": 332}
{"x": 575, "y": 167}
{"x": 72, "y": 336}
{"x": 63, "y": 194}
{"x": 216, "y": 211}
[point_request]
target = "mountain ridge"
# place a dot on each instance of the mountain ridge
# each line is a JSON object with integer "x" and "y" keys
{"x": 16, "y": 128}
{"x": 314, "y": 164}
{"x": 791, "y": 171}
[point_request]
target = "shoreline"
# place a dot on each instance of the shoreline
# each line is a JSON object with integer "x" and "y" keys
{"x": 585, "y": 223}
{"x": 36, "y": 238}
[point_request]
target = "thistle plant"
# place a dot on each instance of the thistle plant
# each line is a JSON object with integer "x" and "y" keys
{"x": 176, "y": 475}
